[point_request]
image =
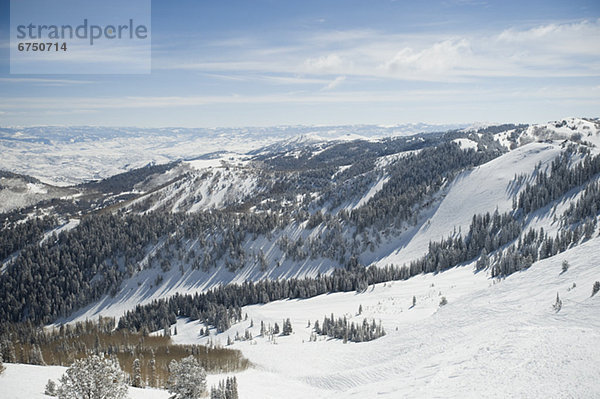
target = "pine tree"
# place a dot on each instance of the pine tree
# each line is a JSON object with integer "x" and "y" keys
{"x": 136, "y": 379}
{"x": 187, "y": 379}
{"x": 226, "y": 389}
{"x": 10, "y": 355}
{"x": 287, "y": 327}
{"x": 231, "y": 389}
{"x": 153, "y": 375}
{"x": 596, "y": 288}
{"x": 558, "y": 304}
{"x": 50, "y": 389}
{"x": 93, "y": 378}
{"x": 1, "y": 364}
{"x": 215, "y": 393}
{"x": 35, "y": 356}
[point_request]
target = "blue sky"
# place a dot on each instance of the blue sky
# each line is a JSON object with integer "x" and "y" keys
{"x": 261, "y": 63}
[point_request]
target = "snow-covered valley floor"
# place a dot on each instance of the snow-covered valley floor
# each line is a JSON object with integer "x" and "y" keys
{"x": 494, "y": 338}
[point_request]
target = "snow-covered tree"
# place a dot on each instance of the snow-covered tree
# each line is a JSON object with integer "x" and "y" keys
{"x": 287, "y": 327}
{"x": 187, "y": 379}
{"x": 153, "y": 375}
{"x": 93, "y": 378}
{"x": 231, "y": 389}
{"x": 35, "y": 356}
{"x": 1, "y": 364}
{"x": 9, "y": 353}
{"x": 50, "y": 389}
{"x": 227, "y": 389}
{"x": 136, "y": 371}
{"x": 595, "y": 288}
{"x": 558, "y": 304}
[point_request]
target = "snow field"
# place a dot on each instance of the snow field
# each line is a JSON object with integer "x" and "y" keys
{"x": 475, "y": 191}
{"x": 494, "y": 338}
{"x": 21, "y": 381}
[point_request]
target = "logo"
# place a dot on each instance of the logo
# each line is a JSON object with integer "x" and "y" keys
{"x": 80, "y": 37}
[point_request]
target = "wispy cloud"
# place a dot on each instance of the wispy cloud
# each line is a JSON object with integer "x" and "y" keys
{"x": 321, "y": 97}
{"x": 335, "y": 83}
{"x": 550, "y": 50}
{"x": 440, "y": 58}
{"x": 46, "y": 81}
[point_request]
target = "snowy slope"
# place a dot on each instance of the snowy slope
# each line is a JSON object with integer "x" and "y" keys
{"x": 493, "y": 339}
{"x": 491, "y": 332}
{"x": 69, "y": 155}
{"x": 483, "y": 189}
{"x": 17, "y": 192}
{"x": 585, "y": 130}
{"x": 26, "y": 381}
{"x": 476, "y": 191}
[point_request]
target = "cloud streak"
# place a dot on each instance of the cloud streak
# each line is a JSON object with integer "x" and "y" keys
{"x": 550, "y": 50}
{"x": 323, "y": 97}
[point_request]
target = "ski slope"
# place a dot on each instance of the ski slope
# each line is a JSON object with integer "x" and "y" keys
{"x": 477, "y": 191}
{"x": 494, "y": 338}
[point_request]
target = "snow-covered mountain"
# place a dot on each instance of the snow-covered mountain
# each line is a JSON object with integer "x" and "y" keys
{"x": 83, "y": 153}
{"x": 483, "y": 216}
{"x": 229, "y": 180}
{"x": 490, "y": 332}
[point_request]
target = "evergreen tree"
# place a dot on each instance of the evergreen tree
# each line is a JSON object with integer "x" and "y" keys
{"x": 153, "y": 374}
{"x": 558, "y": 304}
{"x": 136, "y": 369}
{"x": 93, "y": 378}
{"x": 287, "y": 327}
{"x": 596, "y": 288}
{"x": 50, "y": 388}
{"x": 231, "y": 389}
{"x": 216, "y": 393}
{"x": 35, "y": 356}
{"x": 187, "y": 379}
